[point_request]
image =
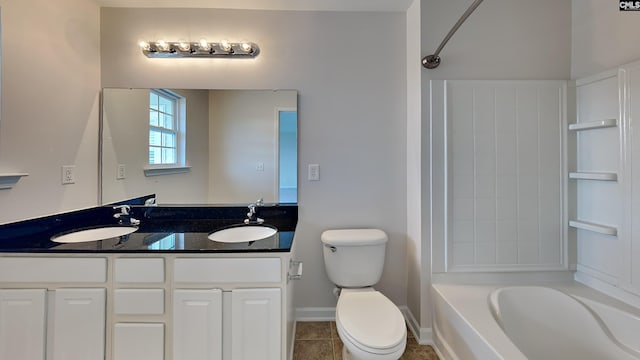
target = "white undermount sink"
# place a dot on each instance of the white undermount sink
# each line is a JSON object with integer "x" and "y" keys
{"x": 244, "y": 233}
{"x": 94, "y": 234}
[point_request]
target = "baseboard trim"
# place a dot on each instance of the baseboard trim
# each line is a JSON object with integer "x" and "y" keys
{"x": 316, "y": 314}
{"x": 293, "y": 342}
{"x": 423, "y": 335}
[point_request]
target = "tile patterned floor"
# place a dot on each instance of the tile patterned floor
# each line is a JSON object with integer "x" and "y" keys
{"x": 317, "y": 340}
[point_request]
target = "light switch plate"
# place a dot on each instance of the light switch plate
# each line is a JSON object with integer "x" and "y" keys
{"x": 121, "y": 172}
{"x": 314, "y": 172}
{"x": 68, "y": 174}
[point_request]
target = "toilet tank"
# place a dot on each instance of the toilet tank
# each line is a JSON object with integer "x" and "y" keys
{"x": 354, "y": 257}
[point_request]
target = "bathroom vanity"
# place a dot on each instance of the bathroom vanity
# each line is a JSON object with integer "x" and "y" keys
{"x": 163, "y": 292}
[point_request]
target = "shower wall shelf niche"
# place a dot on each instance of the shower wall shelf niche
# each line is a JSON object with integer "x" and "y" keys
{"x": 599, "y": 228}
{"x": 9, "y": 180}
{"x": 602, "y": 176}
{"x": 594, "y": 124}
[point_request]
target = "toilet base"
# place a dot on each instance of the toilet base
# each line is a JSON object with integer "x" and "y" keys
{"x": 347, "y": 355}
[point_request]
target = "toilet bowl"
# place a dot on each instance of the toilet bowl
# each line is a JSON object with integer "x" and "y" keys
{"x": 370, "y": 326}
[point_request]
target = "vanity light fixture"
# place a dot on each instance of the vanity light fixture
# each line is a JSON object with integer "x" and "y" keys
{"x": 202, "y": 49}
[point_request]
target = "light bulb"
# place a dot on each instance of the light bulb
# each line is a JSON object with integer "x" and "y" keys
{"x": 246, "y": 46}
{"x": 225, "y": 45}
{"x": 162, "y": 45}
{"x": 204, "y": 45}
{"x": 144, "y": 45}
{"x": 184, "y": 46}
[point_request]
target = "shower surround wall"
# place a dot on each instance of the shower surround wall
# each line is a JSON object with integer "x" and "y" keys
{"x": 609, "y": 253}
{"x": 504, "y": 174}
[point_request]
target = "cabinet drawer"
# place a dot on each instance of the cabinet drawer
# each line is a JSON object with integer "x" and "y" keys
{"x": 139, "y": 270}
{"x": 48, "y": 269}
{"x": 138, "y": 341}
{"x": 138, "y": 301}
{"x": 227, "y": 270}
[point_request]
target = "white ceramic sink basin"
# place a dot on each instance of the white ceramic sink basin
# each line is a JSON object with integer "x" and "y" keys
{"x": 94, "y": 234}
{"x": 242, "y": 234}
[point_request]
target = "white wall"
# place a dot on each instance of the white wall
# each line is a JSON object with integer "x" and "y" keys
{"x": 602, "y": 37}
{"x": 349, "y": 70}
{"x": 502, "y": 39}
{"x": 50, "y": 104}
{"x": 418, "y": 251}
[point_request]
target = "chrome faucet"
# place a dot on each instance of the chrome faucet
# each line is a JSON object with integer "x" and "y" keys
{"x": 125, "y": 212}
{"x": 252, "y": 216}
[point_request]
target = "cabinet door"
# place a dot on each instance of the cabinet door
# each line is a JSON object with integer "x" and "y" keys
{"x": 138, "y": 341}
{"x": 256, "y": 324}
{"x": 78, "y": 324}
{"x": 197, "y": 324}
{"x": 22, "y": 324}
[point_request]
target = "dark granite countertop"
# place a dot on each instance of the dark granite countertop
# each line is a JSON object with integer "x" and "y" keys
{"x": 166, "y": 229}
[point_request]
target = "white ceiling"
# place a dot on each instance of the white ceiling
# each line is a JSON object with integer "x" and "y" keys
{"x": 302, "y": 5}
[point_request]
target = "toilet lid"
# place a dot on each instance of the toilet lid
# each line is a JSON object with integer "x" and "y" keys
{"x": 370, "y": 319}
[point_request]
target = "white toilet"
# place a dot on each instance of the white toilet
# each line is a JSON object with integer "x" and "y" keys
{"x": 370, "y": 326}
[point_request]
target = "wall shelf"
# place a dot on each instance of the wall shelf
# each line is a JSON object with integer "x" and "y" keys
{"x": 594, "y": 124}
{"x": 9, "y": 180}
{"x": 599, "y": 228}
{"x": 603, "y": 176}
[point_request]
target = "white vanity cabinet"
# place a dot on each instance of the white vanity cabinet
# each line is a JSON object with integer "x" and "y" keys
{"x": 197, "y": 324}
{"x": 77, "y": 324}
{"x": 256, "y": 324}
{"x": 72, "y": 328}
{"x": 146, "y": 306}
{"x": 248, "y": 324}
{"x": 138, "y": 341}
{"x": 45, "y": 313}
{"x": 240, "y": 315}
{"x": 139, "y": 312}
{"x": 23, "y": 324}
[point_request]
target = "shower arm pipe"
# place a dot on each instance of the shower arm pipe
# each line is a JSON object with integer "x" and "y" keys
{"x": 432, "y": 61}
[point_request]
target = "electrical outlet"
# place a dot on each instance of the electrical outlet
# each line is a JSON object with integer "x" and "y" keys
{"x": 121, "y": 172}
{"x": 68, "y": 174}
{"x": 260, "y": 166}
{"x": 314, "y": 172}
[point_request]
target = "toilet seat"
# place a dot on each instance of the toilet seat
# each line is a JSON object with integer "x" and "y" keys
{"x": 371, "y": 322}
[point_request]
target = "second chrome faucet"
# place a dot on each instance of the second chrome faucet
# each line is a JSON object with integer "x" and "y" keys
{"x": 252, "y": 216}
{"x": 125, "y": 213}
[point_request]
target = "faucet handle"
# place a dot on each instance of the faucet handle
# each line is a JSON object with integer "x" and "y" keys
{"x": 124, "y": 209}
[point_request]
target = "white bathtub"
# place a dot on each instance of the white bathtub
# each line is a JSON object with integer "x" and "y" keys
{"x": 565, "y": 322}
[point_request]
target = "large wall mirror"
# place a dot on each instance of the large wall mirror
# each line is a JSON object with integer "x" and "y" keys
{"x": 199, "y": 146}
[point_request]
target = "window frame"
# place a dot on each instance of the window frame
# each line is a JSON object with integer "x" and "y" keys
{"x": 179, "y": 124}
